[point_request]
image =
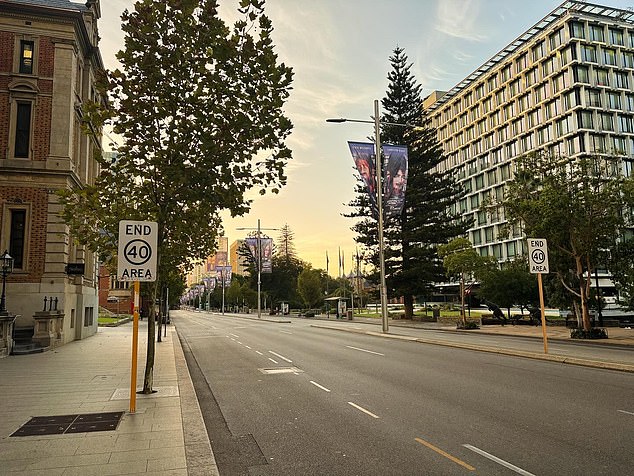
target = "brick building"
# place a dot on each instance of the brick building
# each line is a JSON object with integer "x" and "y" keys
{"x": 48, "y": 60}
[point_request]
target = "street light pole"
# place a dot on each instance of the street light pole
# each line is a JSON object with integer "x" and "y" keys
{"x": 7, "y": 268}
{"x": 259, "y": 261}
{"x": 379, "y": 200}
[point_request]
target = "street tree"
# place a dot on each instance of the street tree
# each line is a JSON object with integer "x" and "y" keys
{"x": 513, "y": 285}
{"x": 200, "y": 108}
{"x": 462, "y": 262}
{"x": 309, "y": 287}
{"x": 579, "y": 206}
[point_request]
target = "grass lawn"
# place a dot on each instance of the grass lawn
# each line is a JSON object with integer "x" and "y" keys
{"x": 110, "y": 319}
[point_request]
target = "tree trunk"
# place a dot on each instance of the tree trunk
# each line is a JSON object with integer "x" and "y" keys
{"x": 584, "y": 286}
{"x": 148, "y": 380}
{"x": 408, "y": 302}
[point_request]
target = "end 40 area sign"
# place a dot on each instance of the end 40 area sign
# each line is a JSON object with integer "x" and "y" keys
{"x": 137, "y": 250}
{"x": 538, "y": 255}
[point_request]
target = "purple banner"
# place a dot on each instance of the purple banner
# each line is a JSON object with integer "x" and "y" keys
{"x": 364, "y": 156}
{"x": 395, "y": 179}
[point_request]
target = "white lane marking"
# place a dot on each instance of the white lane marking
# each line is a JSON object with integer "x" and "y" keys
{"x": 499, "y": 461}
{"x": 319, "y": 386}
{"x": 365, "y": 350}
{"x": 247, "y": 346}
{"x": 627, "y": 413}
{"x": 280, "y": 356}
{"x": 363, "y": 410}
{"x": 239, "y": 342}
{"x": 258, "y": 352}
{"x": 235, "y": 336}
{"x": 274, "y": 361}
{"x": 286, "y": 332}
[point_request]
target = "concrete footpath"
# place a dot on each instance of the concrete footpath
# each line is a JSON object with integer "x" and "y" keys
{"x": 165, "y": 436}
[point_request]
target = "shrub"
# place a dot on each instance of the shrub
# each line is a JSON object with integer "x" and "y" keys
{"x": 468, "y": 325}
{"x": 594, "y": 333}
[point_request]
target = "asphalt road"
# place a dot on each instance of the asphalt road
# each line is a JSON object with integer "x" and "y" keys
{"x": 291, "y": 399}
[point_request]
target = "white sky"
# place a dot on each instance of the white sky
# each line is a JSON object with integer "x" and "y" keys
{"x": 339, "y": 51}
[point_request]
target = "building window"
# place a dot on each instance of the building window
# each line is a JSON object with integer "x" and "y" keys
{"x": 88, "y": 316}
{"x": 23, "y": 130}
{"x": 609, "y": 56}
{"x": 477, "y": 237}
{"x": 26, "y": 57}
{"x": 626, "y": 124}
{"x": 581, "y": 74}
{"x": 602, "y": 77}
{"x": 628, "y": 59}
{"x": 577, "y": 29}
{"x": 589, "y": 53}
{"x": 616, "y": 37}
{"x": 17, "y": 237}
{"x": 614, "y": 100}
{"x": 596, "y": 33}
{"x": 593, "y": 97}
{"x": 488, "y": 234}
{"x": 510, "y": 249}
{"x": 621, "y": 79}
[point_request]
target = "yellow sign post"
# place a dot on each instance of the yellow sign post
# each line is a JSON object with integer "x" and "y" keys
{"x": 135, "y": 347}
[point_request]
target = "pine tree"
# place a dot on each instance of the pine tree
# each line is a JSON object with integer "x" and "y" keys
{"x": 410, "y": 240}
{"x": 285, "y": 245}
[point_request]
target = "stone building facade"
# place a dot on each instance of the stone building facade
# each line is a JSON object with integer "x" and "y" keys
{"x": 49, "y": 59}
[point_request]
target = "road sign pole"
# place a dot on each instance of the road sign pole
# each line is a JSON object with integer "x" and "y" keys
{"x": 135, "y": 347}
{"x": 541, "y": 303}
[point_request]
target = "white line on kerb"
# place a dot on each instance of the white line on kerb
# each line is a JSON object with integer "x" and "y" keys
{"x": 274, "y": 361}
{"x": 364, "y": 350}
{"x": 623, "y": 411}
{"x": 499, "y": 461}
{"x": 258, "y": 352}
{"x": 319, "y": 386}
{"x": 281, "y": 356}
{"x": 367, "y": 412}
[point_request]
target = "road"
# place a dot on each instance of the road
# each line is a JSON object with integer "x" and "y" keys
{"x": 291, "y": 399}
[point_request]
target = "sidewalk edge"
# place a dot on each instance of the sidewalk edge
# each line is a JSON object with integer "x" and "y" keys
{"x": 198, "y": 452}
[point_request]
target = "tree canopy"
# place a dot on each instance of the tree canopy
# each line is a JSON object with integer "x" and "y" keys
{"x": 200, "y": 109}
{"x": 580, "y": 206}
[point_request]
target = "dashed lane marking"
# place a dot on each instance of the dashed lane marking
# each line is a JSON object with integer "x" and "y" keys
{"x": 506, "y": 464}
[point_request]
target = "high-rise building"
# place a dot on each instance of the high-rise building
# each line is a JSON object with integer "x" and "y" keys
{"x": 49, "y": 63}
{"x": 564, "y": 87}
{"x": 237, "y": 262}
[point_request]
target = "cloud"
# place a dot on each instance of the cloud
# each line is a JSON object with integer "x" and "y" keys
{"x": 459, "y": 19}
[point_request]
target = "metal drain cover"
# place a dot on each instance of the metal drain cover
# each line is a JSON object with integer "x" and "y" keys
{"x": 57, "y": 425}
{"x": 281, "y": 370}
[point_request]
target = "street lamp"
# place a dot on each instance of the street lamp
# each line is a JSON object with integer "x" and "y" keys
{"x": 259, "y": 261}
{"x": 6, "y": 261}
{"x": 379, "y": 200}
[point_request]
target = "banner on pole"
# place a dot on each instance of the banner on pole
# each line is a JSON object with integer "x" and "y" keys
{"x": 395, "y": 179}
{"x": 364, "y": 157}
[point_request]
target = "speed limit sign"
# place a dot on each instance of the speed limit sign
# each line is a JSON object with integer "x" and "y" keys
{"x": 538, "y": 255}
{"x": 137, "y": 250}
